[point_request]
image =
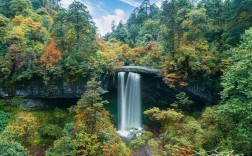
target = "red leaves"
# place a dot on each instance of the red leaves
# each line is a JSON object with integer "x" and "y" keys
{"x": 51, "y": 55}
{"x": 17, "y": 55}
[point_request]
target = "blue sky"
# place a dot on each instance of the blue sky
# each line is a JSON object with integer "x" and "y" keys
{"x": 106, "y": 11}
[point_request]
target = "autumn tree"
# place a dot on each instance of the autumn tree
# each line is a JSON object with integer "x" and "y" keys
{"x": 90, "y": 106}
{"x": 179, "y": 133}
{"x": 22, "y": 130}
{"x": 91, "y": 133}
{"x": 108, "y": 58}
{"x": 51, "y": 55}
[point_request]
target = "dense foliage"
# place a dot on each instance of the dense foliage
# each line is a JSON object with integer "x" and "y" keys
{"x": 208, "y": 42}
{"x": 12, "y": 148}
{"x": 40, "y": 42}
{"x": 91, "y": 132}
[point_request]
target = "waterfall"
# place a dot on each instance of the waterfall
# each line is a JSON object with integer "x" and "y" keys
{"x": 129, "y": 102}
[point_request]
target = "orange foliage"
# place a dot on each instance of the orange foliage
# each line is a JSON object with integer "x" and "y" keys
{"x": 109, "y": 150}
{"x": 186, "y": 151}
{"x": 148, "y": 55}
{"x": 51, "y": 55}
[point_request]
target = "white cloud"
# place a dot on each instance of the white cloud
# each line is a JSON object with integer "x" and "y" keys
{"x": 158, "y": 2}
{"x": 103, "y": 18}
{"x": 104, "y": 22}
{"x": 137, "y": 4}
{"x": 66, "y": 3}
{"x": 131, "y": 2}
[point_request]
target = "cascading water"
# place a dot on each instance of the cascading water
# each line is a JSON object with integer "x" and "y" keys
{"x": 129, "y": 103}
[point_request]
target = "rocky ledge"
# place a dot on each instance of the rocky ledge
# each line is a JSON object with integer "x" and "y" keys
{"x": 140, "y": 69}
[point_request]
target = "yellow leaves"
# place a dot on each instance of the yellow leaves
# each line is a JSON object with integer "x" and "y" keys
{"x": 109, "y": 56}
{"x": 38, "y": 48}
{"x": 23, "y": 126}
{"x": 149, "y": 55}
{"x": 102, "y": 44}
{"x": 17, "y": 20}
{"x": 172, "y": 79}
{"x": 171, "y": 75}
{"x": 110, "y": 59}
{"x": 160, "y": 115}
{"x": 17, "y": 33}
{"x": 188, "y": 61}
{"x": 70, "y": 35}
{"x": 167, "y": 117}
{"x": 224, "y": 64}
{"x": 183, "y": 84}
{"x": 31, "y": 24}
{"x": 27, "y": 24}
{"x": 26, "y": 118}
{"x": 22, "y": 27}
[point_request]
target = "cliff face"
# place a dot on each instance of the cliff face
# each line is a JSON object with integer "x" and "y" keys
{"x": 45, "y": 91}
{"x": 154, "y": 91}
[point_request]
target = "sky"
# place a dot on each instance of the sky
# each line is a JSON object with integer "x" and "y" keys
{"x": 104, "y": 12}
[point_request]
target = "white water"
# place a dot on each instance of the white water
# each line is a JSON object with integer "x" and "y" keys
{"x": 129, "y": 103}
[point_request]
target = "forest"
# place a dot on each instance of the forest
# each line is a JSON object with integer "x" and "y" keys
{"x": 204, "y": 41}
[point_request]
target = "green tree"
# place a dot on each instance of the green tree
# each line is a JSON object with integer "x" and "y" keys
{"x": 236, "y": 80}
{"x": 237, "y": 95}
{"x": 134, "y": 30}
{"x": 171, "y": 31}
{"x": 3, "y": 34}
{"x": 214, "y": 9}
{"x": 81, "y": 25}
{"x": 238, "y": 18}
{"x": 197, "y": 24}
{"x": 22, "y": 129}
{"x": 92, "y": 132}
{"x": 12, "y": 148}
{"x": 120, "y": 33}
{"x": 65, "y": 146}
{"x": 3, "y": 120}
{"x": 179, "y": 133}
{"x": 90, "y": 106}
{"x": 75, "y": 35}
{"x": 37, "y": 4}
{"x": 59, "y": 29}
{"x": 182, "y": 102}
{"x": 14, "y": 7}
{"x": 168, "y": 26}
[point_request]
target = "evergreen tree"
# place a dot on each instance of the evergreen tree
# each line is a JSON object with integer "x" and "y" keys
{"x": 81, "y": 24}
